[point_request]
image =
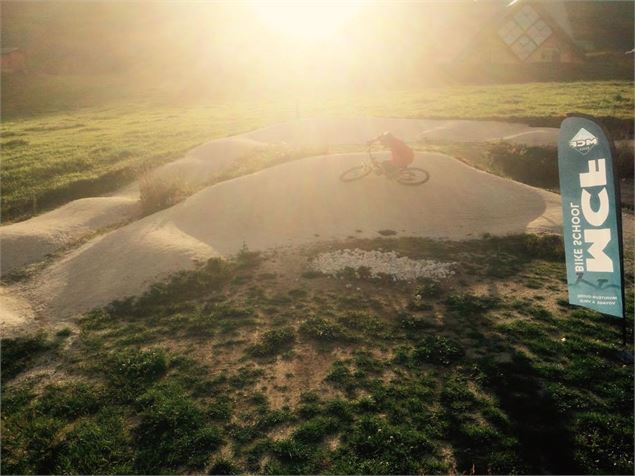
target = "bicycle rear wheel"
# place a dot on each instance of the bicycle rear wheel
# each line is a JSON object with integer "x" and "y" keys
{"x": 413, "y": 176}
{"x": 355, "y": 173}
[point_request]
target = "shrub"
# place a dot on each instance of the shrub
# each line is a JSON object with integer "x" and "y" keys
{"x": 536, "y": 166}
{"x": 361, "y": 321}
{"x": 273, "y": 342}
{"x": 224, "y": 466}
{"x": 172, "y": 431}
{"x": 29, "y": 443}
{"x": 130, "y": 371}
{"x": 339, "y": 409}
{"x": 314, "y": 430}
{"x": 181, "y": 286}
{"x": 322, "y": 330}
{"x": 437, "y": 350}
{"x": 365, "y": 362}
{"x": 64, "y": 332}
{"x": 547, "y": 247}
{"x": 246, "y": 259}
{"x": 69, "y": 401}
{"x": 428, "y": 287}
{"x": 624, "y": 162}
{"x": 410, "y": 322}
{"x": 99, "y": 445}
{"x": 291, "y": 450}
{"x": 373, "y": 446}
{"x": 245, "y": 376}
{"x": 470, "y": 304}
{"x": 158, "y": 193}
{"x": 19, "y": 353}
{"x": 341, "y": 377}
{"x": 273, "y": 418}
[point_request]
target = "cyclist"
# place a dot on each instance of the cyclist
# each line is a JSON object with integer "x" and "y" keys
{"x": 401, "y": 154}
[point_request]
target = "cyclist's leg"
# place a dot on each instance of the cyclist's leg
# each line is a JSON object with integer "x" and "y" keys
{"x": 390, "y": 169}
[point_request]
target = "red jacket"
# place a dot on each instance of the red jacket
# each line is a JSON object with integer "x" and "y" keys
{"x": 402, "y": 154}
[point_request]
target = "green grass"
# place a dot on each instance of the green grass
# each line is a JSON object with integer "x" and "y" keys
{"x": 273, "y": 342}
{"x": 205, "y": 374}
{"x": 536, "y": 166}
{"x": 91, "y": 145}
{"x": 19, "y": 353}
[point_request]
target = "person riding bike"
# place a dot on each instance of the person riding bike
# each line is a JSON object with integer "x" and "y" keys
{"x": 401, "y": 154}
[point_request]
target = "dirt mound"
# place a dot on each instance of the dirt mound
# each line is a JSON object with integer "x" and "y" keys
{"x": 31, "y": 240}
{"x": 292, "y": 204}
{"x": 333, "y": 131}
{"x": 204, "y": 161}
{"x": 14, "y": 310}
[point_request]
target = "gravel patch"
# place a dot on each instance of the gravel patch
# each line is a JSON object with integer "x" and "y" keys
{"x": 376, "y": 264}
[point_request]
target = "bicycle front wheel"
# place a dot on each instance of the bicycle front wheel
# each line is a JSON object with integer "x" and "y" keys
{"x": 413, "y": 176}
{"x": 355, "y": 173}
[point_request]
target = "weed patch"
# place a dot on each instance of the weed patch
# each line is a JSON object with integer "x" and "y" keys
{"x": 69, "y": 401}
{"x": 172, "y": 432}
{"x": 20, "y": 353}
{"x": 131, "y": 371}
{"x": 97, "y": 445}
{"x": 273, "y": 342}
{"x": 485, "y": 383}
{"x": 321, "y": 330}
{"x": 471, "y": 305}
{"x": 157, "y": 193}
{"x": 373, "y": 446}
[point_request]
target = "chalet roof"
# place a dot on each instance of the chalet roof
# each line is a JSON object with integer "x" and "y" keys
{"x": 553, "y": 12}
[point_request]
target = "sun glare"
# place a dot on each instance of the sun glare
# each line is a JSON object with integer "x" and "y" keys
{"x": 305, "y": 20}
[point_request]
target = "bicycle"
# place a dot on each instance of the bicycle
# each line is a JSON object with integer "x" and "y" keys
{"x": 405, "y": 176}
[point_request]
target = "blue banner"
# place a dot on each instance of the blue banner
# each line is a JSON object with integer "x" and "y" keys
{"x": 591, "y": 216}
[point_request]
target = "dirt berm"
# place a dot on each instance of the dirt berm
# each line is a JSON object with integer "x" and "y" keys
{"x": 291, "y": 204}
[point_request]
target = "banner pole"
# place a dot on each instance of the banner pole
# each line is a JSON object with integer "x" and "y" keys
{"x": 620, "y": 233}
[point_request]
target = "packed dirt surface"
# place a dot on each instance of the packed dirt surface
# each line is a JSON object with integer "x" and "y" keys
{"x": 14, "y": 309}
{"x": 291, "y": 204}
{"x": 331, "y": 131}
{"x": 30, "y": 241}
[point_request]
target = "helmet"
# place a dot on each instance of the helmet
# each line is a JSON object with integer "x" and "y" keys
{"x": 386, "y": 138}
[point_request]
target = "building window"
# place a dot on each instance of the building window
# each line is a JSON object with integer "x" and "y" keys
{"x": 524, "y": 47}
{"x": 524, "y": 32}
{"x": 539, "y": 32}
{"x": 510, "y": 32}
{"x": 526, "y": 17}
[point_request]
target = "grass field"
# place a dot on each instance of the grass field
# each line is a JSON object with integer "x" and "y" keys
{"x": 536, "y": 166}
{"x": 76, "y": 145}
{"x": 263, "y": 365}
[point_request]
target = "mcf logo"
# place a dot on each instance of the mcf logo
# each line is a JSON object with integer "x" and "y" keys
{"x": 583, "y": 141}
